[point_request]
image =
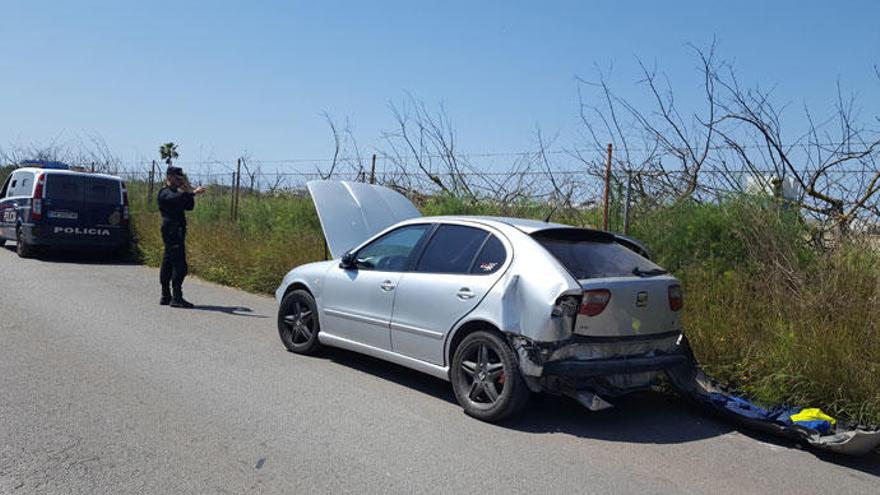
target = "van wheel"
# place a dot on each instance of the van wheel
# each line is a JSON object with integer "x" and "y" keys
{"x": 23, "y": 249}
{"x": 298, "y": 323}
{"x": 486, "y": 379}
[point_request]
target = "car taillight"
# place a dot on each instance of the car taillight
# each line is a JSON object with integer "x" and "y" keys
{"x": 676, "y": 298}
{"x": 594, "y": 302}
{"x": 37, "y": 202}
{"x": 124, "y": 205}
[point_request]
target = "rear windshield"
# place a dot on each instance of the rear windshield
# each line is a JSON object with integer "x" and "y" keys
{"x": 83, "y": 189}
{"x": 104, "y": 191}
{"x": 597, "y": 259}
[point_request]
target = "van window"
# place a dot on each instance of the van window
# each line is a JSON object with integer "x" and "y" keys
{"x": 64, "y": 187}
{"x": 103, "y": 191}
{"x": 83, "y": 188}
{"x": 21, "y": 184}
{"x": 25, "y": 185}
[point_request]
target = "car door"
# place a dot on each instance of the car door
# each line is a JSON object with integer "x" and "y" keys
{"x": 458, "y": 267}
{"x": 9, "y": 199}
{"x": 356, "y": 302}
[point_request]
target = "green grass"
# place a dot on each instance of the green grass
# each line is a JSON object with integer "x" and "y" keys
{"x": 764, "y": 310}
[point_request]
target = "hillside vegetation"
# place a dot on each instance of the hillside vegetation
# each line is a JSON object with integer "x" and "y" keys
{"x": 766, "y": 311}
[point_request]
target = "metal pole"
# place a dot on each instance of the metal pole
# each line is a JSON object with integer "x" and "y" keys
{"x": 152, "y": 180}
{"x": 373, "y": 170}
{"x": 237, "y": 188}
{"x": 607, "y": 188}
{"x": 626, "y": 202}
{"x": 232, "y": 198}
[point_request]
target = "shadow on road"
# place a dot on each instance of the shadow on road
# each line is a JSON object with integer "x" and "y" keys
{"x": 647, "y": 417}
{"x": 230, "y": 310}
{"x": 78, "y": 257}
{"x": 405, "y": 377}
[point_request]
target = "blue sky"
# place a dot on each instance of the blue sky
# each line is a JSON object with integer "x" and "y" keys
{"x": 221, "y": 78}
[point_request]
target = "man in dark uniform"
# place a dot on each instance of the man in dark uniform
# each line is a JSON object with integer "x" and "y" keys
{"x": 176, "y": 198}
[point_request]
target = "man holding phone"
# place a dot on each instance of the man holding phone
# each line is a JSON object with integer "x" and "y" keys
{"x": 175, "y": 199}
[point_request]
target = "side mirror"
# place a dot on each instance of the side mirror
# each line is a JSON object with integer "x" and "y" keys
{"x": 349, "y": 261}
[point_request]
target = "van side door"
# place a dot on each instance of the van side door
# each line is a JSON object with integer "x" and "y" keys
{"x": 15, "y": 201}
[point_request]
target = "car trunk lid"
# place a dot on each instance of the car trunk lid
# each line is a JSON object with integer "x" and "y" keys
{"x": 636, "y": 306}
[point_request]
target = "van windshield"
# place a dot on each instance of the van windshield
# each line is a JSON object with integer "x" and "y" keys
{"x": 83, "y": 189}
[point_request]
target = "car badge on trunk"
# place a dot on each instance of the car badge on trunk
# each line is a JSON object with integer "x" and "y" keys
{"x": 642, "y": 299}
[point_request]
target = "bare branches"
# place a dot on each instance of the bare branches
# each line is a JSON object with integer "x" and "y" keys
{"x": 737, "y": 136}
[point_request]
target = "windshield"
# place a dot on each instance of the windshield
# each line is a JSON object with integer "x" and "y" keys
{"x": 592, "y": 259}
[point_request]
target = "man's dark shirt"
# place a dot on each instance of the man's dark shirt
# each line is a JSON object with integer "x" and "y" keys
{"x": 173, "y": 204}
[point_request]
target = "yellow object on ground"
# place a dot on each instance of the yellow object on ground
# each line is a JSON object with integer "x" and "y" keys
{"x": 813, "y": 414}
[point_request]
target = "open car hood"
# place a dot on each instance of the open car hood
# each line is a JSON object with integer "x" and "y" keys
{"x": 351, "y": 212}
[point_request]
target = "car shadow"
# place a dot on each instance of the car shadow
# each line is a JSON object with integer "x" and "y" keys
{"x": 400, "y": 375}
{"x": 646, "y": 417}
{"x": 230, "y": 310}
{"x": 638, "y": 418}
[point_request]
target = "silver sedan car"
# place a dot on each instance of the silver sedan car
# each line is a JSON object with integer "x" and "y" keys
{"x": 500, "y": 307}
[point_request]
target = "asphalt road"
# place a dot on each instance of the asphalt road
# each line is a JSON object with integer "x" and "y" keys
{"x": 104, "y": 391}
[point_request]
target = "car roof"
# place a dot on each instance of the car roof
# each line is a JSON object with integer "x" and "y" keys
{"x": 526, "y": 225}
{"x": 56, "y": 171}
{"x": 530, "y": 226}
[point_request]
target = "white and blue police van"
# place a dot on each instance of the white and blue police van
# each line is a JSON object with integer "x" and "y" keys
{"x": 47, "y": 204}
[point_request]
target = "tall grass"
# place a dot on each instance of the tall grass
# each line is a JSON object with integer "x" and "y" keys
{"x": 764, "y": 310}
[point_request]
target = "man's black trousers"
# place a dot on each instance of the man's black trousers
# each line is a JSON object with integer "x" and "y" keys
{"x": 174, "y": 267}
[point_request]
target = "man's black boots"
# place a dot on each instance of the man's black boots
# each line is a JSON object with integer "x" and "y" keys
{"x": 177, "y": 300}
{"x": 165, "y": 300}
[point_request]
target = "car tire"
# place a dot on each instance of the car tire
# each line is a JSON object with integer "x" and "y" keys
{"x": 486, "y": 378}
{"x": 298, "y": 323}
{"x": 23, "y": 249}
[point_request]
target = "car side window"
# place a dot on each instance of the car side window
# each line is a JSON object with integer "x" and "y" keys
{"x": 491, "y": 257}
{"x": 391, "y": 252}
{"x": 452, "y": 249}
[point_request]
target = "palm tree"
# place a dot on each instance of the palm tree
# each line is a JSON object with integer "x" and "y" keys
{"x": 168, "y": 152}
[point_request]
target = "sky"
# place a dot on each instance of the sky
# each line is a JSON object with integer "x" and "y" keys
{"x": 225, "y": 78}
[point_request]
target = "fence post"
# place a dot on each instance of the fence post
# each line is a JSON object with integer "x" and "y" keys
{"x": 152, "y": 181}
{"x": 373, "y": 170}
{"x": 626, "y": 202}
{"x": 607, "y": 189}
{"x": 232, "y": 198}
{"x": 237, "y": 189}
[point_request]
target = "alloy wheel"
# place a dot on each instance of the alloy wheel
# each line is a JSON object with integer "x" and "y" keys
{"x": 483, "y": 375}
{"x": 300, "y": 323}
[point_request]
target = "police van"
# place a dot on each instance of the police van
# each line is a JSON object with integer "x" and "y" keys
{"x": 46, "y": 204}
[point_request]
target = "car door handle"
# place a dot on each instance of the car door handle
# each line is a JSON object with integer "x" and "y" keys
{"x": 465, "y": 293}
{"x": 386, "y": 286}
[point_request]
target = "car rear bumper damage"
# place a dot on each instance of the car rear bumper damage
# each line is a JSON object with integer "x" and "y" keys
{"x": 588, "y": 369}
{"x": 607, "y": 366}
{"x": 617, "y": 366}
